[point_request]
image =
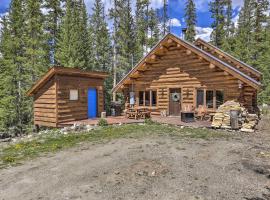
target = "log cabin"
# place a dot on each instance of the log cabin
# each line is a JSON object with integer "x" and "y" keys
{"x": 179, "y": 76}
{"x": 66, "y": 94}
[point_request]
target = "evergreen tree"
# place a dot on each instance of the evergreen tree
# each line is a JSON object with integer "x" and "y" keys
{"x": 190, "y": 15}
{"x": 14, "y": 106}
{"x": 141, "y": 19}
{"x": 101, "y": 47}
{"x": 228, "y": 43}
{"x": 165, "y": 18}
{"x": 73, "y": 44}
{"x": 217, "y": 8}
{"x": 35, "y": 41}
{"x": 154, "y": 31}
{"x": 124, "y": 36}
{"x": 52, "y": 24}
{"x": 7, "y": 100}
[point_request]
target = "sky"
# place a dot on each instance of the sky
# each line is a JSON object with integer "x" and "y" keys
{"x": 175, "y": 11}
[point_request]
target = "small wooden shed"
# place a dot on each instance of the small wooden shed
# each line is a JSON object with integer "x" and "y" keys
{"x": 67, "y": 94}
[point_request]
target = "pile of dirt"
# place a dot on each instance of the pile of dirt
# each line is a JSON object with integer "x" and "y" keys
{"x": 223, "y": 117}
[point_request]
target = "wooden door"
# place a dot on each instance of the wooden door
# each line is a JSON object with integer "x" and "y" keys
{"x": 175, "y": 102}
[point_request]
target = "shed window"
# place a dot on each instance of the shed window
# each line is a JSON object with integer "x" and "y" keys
{"x": 200, "y": 98}
{"x": 154, "y": 98}
{"x": 219, "y": 98}
{"x": 73, "y": 95}
{"x": 210, "y": 99}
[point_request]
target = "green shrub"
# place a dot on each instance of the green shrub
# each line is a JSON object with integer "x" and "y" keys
{"x": 265, "y": 111}
{"x": 149, "y": 121}
{"x": 103, "y": 122}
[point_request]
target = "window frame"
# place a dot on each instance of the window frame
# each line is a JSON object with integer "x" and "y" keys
{"x": 205, "y": 97}
{"x": 76, "y": 94}
{"x": 143, "y": 94}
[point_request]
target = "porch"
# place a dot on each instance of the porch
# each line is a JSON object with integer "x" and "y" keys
{"x": 123, "y": 120}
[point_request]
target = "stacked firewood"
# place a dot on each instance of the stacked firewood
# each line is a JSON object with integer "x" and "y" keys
{"x": 222, "y": 118}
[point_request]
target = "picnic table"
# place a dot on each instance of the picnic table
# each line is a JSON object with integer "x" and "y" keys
{"x": 137, "y": 113}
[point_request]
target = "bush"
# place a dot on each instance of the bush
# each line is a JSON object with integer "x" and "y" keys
{"x": 149, "y": 121}
{"x": 265, "y": 111}
{"x": 103, "y": 122}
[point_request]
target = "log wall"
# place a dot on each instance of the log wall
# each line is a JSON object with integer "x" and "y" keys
{"x": 45, "y": 105}
{"x": 76, "y": 110}
{"x": 52, "y": 105}
{"x": 188, "y": 83}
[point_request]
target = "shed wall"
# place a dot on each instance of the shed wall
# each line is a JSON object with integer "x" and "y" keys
{"x": 76, "y": 110}
{"x": 45, "y": 105}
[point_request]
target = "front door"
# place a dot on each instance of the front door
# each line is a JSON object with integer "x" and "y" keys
{"x": 175, "y": 102}
{"x": 92, "y": 103}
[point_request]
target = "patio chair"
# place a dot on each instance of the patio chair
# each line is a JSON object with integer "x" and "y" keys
{"x": 201, "y": 113}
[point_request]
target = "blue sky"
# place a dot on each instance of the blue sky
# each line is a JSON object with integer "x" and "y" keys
{"x": 175, "y": 10}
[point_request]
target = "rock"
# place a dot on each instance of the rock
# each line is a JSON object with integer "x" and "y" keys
{"x": 153, "y": 173}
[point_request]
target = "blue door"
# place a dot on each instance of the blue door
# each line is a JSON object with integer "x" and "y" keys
{"x": 92, "y": 103}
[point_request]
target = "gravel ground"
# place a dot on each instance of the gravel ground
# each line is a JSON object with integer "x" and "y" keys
{"x": 156, "y": 167}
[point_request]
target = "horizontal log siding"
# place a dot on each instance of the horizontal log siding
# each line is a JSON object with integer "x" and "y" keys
{"x": 77, "y": 110}
{"x": 45, "y": 105}
{"x": 174, "y": 78}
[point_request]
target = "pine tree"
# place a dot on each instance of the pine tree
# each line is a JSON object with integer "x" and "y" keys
{"x": 15, "y": 105}
{"x": 101, "y": 45}
{"x": 7, "y": 100}
{"x": 52, "y": 24}
{"x": 142, "y": 22}
{"x": 124, "y": 36}
{"x": 73, "y": 44}
{"x": 154, "y": 31}
{"x": 190, "y": 15}
{"x": 35, "y": 41}
{"x": 217, "y": 8}
{"x": 165, "y": 18}
{"x": 228, "y": 43}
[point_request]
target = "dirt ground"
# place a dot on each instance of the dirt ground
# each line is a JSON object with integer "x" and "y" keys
{"x": 156, "y": 167}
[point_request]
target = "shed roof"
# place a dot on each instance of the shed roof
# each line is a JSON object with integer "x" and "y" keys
{"x": 207, "y": 56}
{"x": 64, "y": 71}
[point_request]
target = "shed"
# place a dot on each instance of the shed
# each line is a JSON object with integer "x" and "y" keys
{"x": 177, "y": 76}
{"x": 67, "y": 94}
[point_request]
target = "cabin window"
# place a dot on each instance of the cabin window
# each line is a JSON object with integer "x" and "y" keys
{"x": 147, "y": 98}
{"x": 219, "y": 98}
{"x": 210, "y": 99}
{"x": 200, "y": 98}
{"x": 154, "y": 98}
{"x": 141, "y": 98}
{"x": 73, "y": 95}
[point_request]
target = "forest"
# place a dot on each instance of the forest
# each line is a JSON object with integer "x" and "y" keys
{"x": 38, "y": 34}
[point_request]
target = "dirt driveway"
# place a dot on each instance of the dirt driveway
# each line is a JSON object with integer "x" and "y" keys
{"x": 153, "y": 167}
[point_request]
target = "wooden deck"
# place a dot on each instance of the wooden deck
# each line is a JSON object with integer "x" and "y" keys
{"x": 123, "y": 120}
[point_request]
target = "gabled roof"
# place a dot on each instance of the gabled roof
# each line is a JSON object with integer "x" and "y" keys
{"x": 64, "y": 71}
{"x": 229, "y": 57}
{"x": 207, "y": 56}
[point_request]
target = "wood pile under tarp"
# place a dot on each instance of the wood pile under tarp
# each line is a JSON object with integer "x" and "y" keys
{"x": 223, "y": 117}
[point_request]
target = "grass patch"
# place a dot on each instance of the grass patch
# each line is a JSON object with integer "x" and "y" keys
{"x": 54, "y": 141}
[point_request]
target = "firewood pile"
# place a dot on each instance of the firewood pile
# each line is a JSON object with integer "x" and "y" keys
{"x": 222, "y": 118}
